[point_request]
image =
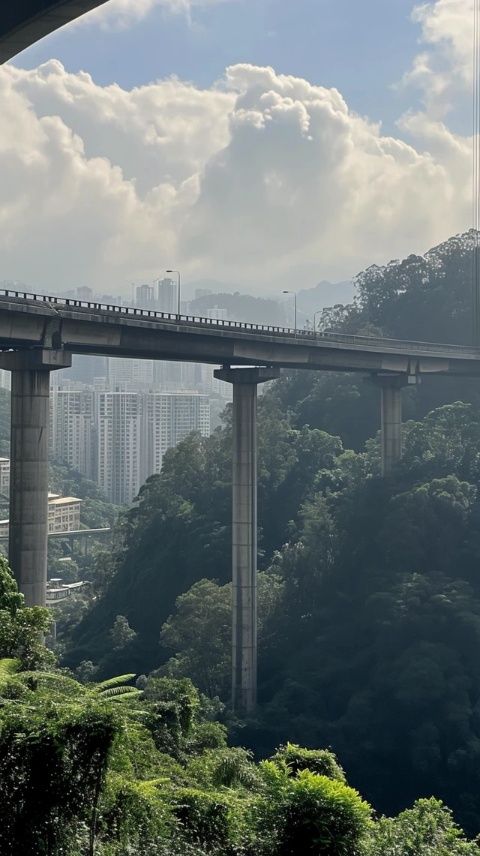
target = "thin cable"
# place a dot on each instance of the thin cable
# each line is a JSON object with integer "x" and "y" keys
{"x": 476, "y": 173}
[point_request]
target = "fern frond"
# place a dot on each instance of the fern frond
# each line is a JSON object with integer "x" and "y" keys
{"x": 54, "y": 681}
{"x": 112, "y": 682}
{"x": 114, "y": 692}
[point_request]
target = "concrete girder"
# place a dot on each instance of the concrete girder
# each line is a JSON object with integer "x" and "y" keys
{"x": 112, "y": 333}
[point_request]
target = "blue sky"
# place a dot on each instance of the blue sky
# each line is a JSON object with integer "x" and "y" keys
{"x": 260, "y": 178}
{"x": 362, "y": 48}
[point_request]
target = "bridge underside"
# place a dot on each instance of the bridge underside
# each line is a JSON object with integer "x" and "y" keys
{"x": 24, "y": 22}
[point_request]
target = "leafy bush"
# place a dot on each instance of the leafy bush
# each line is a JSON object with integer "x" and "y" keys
{"x": 427, "y": 829}
{"x": 228, "y": 767}
{"x": 53, "y": 761}
{"x": 134, "y": 813}
{"x": 319, "y": 761}
{"x": 310, "y": 815}
{"x": 21, "y": 627}
{"x": 207, "y": 735}
{"x": 203, "y": 817}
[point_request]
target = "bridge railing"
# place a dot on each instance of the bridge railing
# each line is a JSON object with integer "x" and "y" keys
{"x": 306, "y": 335}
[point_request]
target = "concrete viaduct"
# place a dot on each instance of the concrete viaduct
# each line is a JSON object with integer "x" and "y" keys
{"x": 39, "y": 334}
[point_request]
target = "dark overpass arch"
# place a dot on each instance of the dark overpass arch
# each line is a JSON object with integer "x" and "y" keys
{"x": 23, "y": 22}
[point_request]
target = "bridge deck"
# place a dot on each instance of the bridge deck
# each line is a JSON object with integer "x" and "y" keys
{"x": 29, "y": 320}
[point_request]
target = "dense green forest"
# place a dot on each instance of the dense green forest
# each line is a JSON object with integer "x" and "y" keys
{"x": 117, "y": 769}
{"x": 369, "y": 590}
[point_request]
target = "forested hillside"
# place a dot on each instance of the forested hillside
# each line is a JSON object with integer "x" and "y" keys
{"x": 369, "y": 591}
{"x": 117, "y": 768}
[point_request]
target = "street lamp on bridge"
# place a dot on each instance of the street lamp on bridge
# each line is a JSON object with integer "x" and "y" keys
{"x": 294, "y": 294}
{"x": 178, "y": 288}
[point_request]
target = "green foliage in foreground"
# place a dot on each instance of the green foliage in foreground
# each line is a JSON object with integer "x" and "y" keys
{"x": 425, "y": 830}
{"x": 113, "y": 770}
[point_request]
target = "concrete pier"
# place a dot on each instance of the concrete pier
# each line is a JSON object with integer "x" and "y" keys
{"x": 28, "y": 530}
{"x": 391, "y": 418}
{"x": 244, "y": 531}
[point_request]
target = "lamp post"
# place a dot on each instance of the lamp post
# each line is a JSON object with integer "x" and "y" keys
{"x": 295, "y": 306}
{"x": 178, "y": 289}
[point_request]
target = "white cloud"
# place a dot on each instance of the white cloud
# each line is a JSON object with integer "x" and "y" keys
{"x": 305, "y": 185}
{"x": 118, "y": 14}
{"x": 445, "y": 64}
{"x": 263, "y": 178}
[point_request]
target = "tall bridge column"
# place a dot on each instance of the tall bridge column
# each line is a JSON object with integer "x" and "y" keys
{"x": 28, "y": 530}
{"x": 391, "y": 417}
{"x": 244, "y": 531}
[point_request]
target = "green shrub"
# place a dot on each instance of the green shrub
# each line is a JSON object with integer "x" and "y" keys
{"x": 53, "y": 760}
{"x": 319, "y": 761}
{"x": 309, "y": 815}
{"x": 229, "y": 767}
{"x": 204, "y": 817}
{"x": 134, "y": 813}
{"x": 207, "y": 735}
{"x": 180, "y": 693}
{"x": 427, "y": 829}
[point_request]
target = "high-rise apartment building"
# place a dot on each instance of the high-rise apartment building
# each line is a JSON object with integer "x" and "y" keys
{"x": 136, "y": 429}
{"x": 145, "y": 296}
{"x": 169, "y": 418}
{"x": 129, "y": 374}
{"x": 120, "y": 444}
{"x": 167, "y": 295}
{"x": 72, "y": 429}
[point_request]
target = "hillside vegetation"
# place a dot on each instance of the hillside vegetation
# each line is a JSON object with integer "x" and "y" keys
{"x": 117, "y": 769}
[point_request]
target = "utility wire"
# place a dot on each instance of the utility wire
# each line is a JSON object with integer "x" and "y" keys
{"x": 476, "y": 174}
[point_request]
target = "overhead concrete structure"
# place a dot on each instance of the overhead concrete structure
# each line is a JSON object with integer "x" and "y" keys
{"x": 28, "y": 534}
{"x": 244, "y": 531}
{"x": 23, "y": 22}
{"x": 34, "y": 321}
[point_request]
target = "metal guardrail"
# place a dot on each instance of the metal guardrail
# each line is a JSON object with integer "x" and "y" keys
{"x": 310, "y": 336}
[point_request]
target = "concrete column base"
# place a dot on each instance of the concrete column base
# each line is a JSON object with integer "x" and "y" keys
{"x": 28, "y": 530}
{"x": 244, "y": 531}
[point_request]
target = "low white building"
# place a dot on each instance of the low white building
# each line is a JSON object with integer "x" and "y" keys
{"x": 5, "y": 476}
{"x": 63, "y": 515}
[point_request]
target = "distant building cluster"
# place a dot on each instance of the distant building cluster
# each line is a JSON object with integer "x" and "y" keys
{"x": 117, "y": 430}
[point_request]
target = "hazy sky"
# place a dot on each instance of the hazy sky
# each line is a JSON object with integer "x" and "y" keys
{"x": 265, "y": 143}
